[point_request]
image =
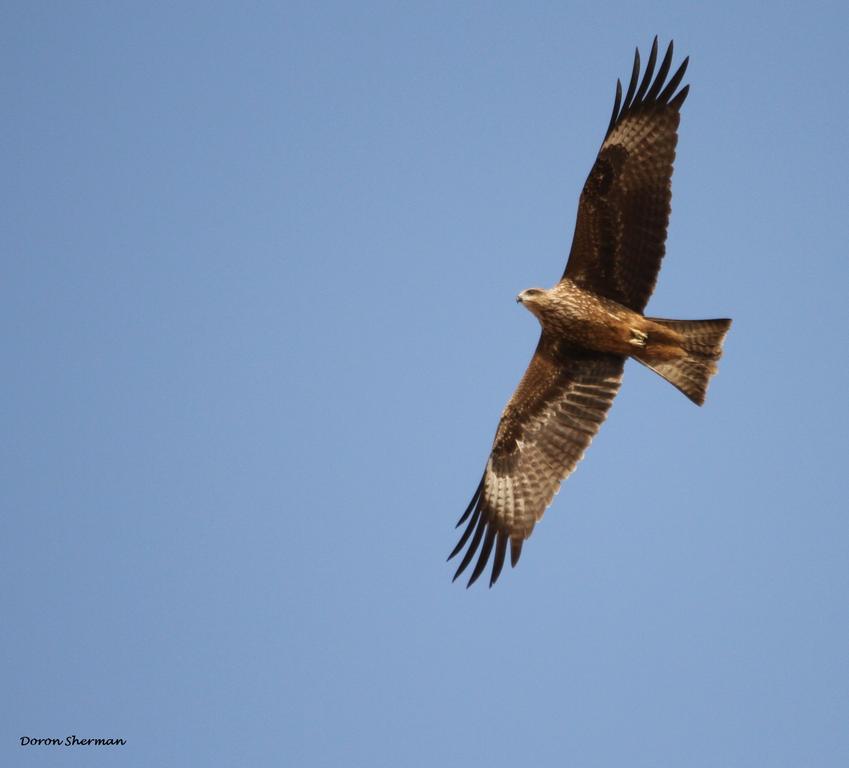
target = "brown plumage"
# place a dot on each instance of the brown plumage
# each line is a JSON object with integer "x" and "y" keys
{"x": 592, "y": 322}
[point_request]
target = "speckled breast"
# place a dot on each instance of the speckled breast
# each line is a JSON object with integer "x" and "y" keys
{"x": 587, "y": 319}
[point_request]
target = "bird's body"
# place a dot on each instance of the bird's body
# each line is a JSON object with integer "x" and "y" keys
{"x": 586, "y": 319}
{"x": 592, "y": 321}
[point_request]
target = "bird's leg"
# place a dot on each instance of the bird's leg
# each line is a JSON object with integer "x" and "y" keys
{"x": 638, "y": 338}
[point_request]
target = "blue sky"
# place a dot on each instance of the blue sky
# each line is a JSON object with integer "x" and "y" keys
{"x": 257, "y": 317}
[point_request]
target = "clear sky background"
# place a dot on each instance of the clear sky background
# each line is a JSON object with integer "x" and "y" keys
{"x": 257, "y": 319}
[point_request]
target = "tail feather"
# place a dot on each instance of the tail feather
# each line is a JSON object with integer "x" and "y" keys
{"x": 701, "y": 342}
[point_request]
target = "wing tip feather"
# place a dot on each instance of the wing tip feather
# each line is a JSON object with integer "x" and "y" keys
{"x": 617, "y": 101}
{"x": 653, "y": 89}
{"x": 468, "y": 532}
{"x": 472, "y": 503}
{"x": 473, "y": 546}
{"x": 481, "y": 528}
{"x": 515, "y": 551}
{"x": 680, "y": 97}
{"x": 498, "y": 560}
{"x": 483, "y": 558}
{"x": 632, "y": 85}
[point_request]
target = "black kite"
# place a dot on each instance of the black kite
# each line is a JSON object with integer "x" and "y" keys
{"x": 592, "y": 321}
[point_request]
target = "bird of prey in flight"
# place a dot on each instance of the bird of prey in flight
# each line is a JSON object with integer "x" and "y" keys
{"x": 592, "y": 322}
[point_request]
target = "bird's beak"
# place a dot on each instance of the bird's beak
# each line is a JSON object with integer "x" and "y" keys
{"x": 519, "y": 299}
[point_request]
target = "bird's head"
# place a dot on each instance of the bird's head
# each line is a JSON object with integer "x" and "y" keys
{"x": 532, "y": 299}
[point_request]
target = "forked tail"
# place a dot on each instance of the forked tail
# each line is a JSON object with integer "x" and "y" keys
{"x": 699, "y": 344}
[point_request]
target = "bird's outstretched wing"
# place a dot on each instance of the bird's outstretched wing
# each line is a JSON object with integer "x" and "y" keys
{"x": 620, "y": 234}
{"x": 559, "y": 405}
